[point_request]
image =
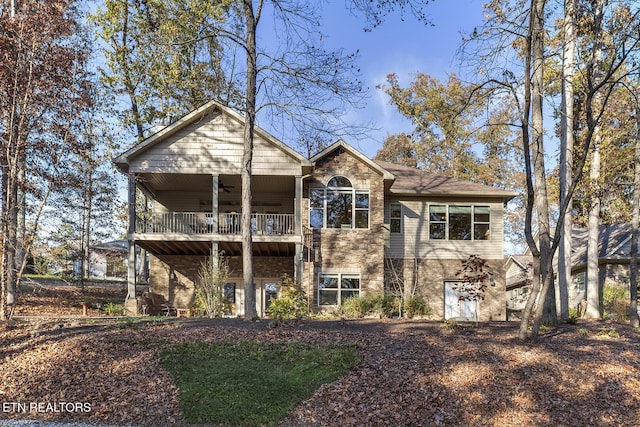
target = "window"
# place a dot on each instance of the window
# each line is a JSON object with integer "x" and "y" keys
{"x": 338, "y": 205}
{"x": 316, "y": 207}
{"x": 580, "y": 281}
{"x": 437, "y": 222}
{"x": 395, "y": 218}
{"x": 459, "y": 222}
{"x": 335, "y": 289}
{"x": 230, "y": 292}
{"x": 481, "y": 223}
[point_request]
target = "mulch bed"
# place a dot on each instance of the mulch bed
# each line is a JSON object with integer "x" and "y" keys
{"x": 412, "y": 373}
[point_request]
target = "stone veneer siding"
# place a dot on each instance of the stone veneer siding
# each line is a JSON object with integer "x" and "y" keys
{"x": 179, "y": 291}
{"x": 432, "y": 275}
{"x": 347, "y": 250}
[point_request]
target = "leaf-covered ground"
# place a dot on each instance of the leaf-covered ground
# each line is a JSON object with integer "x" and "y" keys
{"x": 412, "y": 373}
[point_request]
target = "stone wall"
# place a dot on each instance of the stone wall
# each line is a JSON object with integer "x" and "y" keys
{"x": 173, "y": 276}
{"x": 432, "y": 275}
{"x": 348, "y": 250}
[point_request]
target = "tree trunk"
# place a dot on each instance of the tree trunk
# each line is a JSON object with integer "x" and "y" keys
{"x": 251, "y": 23}
{"x": 526, "y": 149}
{"x": 9, "y": 243}
{"x": 635, "y": 223}
{"x": 566, "y": 154}
{"x": 87, "y": 230}
{"x": 547, "y": 308}
{"x": 593, "y": 283}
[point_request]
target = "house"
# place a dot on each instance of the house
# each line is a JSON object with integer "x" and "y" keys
{"x": 338, "y": 222}
{"x": 614, "y": 248}
{"x": 108, "y": 260}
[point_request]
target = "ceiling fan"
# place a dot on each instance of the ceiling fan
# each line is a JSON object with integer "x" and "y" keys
{"x": 224, "y": 188}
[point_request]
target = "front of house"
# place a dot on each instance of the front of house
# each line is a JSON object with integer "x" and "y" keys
{"x": 341, "y": 224}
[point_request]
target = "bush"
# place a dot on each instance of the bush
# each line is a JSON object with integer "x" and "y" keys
{"x": 615, "y": 300}
{"x": 370, "y": 305}
{"x": 355, "y": 307}
{"x": 112, "y": 309}
{"x": 210, "y": 286}
{"x": 416, "y": 306}
{"x": 292, "y": 302}
{"x": 574, "y": 315}
{"x": 385, "y": 306}
{"x": 197, "y": 308}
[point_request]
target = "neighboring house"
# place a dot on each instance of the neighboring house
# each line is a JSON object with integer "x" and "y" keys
{"x": 108, "y": 260}
{"x": 339, "y": 222}
{"x": 614, "y": 245}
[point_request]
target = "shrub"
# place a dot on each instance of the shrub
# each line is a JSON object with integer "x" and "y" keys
{"x": 615, "y": 301}
{"x": 197, "y": 308}
{"x": 370, "y": 305}
{"x": 574, "y": 315}
{"x": 113, "y": 309}
{"x": 416, "y": 306}
{"x": 210, "y": 286}
{"x": 292, "y": 302}
{"x": 355, "y": 307}
{"x": 385, "y": 305}
{"x": 608, "y": 332}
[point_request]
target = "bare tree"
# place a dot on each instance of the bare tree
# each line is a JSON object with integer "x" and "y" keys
{"x": 593, "y": 252}
{"x": 251, "y": 20}
{"x": 38, "y": 105}
{"x": 297, "y": 81}
{"x": 566, "y": 151}
{"x": 635, "y": 223}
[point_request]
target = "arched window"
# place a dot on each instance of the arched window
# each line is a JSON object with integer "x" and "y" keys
{"x": 338, "y": 205}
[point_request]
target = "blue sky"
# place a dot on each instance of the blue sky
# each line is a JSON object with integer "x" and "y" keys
{"x": 401, "y": 46}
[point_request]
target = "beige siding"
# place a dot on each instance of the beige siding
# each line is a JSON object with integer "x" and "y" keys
{"x": 213, "y": 144}
{"x": 414, "y": 240}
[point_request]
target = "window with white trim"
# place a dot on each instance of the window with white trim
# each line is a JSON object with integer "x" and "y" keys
{"x": 455, "y": 222}
{"x": 395, "y": 218}
{"x": 338, "y": 205}
{"x": 336, "y": 288}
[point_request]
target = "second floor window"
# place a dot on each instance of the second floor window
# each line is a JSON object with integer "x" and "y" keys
{"x": 395, "y": 218}
{"x": 459, "y": 222}
{"x": 338, "y": 205}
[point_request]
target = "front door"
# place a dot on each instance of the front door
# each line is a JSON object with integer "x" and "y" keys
{"x": 265, "y": 293}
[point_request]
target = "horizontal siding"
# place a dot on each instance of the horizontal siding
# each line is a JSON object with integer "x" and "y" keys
{"x": 213, "y": 145}
{"x": 414, "y": 240}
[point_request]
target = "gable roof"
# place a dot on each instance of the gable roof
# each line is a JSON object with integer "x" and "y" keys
{"x": 342, "y": 144}
{"x": 122, "y": 160}
{"x": 614, "y": 243}
{"x": 614, "y": 246}
{"x": 413, "y": 181}
{"x": 120, "y": 245}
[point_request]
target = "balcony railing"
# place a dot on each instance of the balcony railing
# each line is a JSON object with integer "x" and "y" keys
{"x": 203, "y": 223}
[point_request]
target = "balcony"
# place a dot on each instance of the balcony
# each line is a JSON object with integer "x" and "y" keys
{"x": 203, "y": 223}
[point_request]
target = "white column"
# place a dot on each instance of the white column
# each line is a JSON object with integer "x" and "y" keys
{"x": 130, "y": 303}
{"x": 214, "y": 203}
{"x": 298, "y": 264}
{"x": 298, "y": 206}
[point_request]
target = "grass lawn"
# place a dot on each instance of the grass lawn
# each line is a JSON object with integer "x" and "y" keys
{"x": 248, "y": 383}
